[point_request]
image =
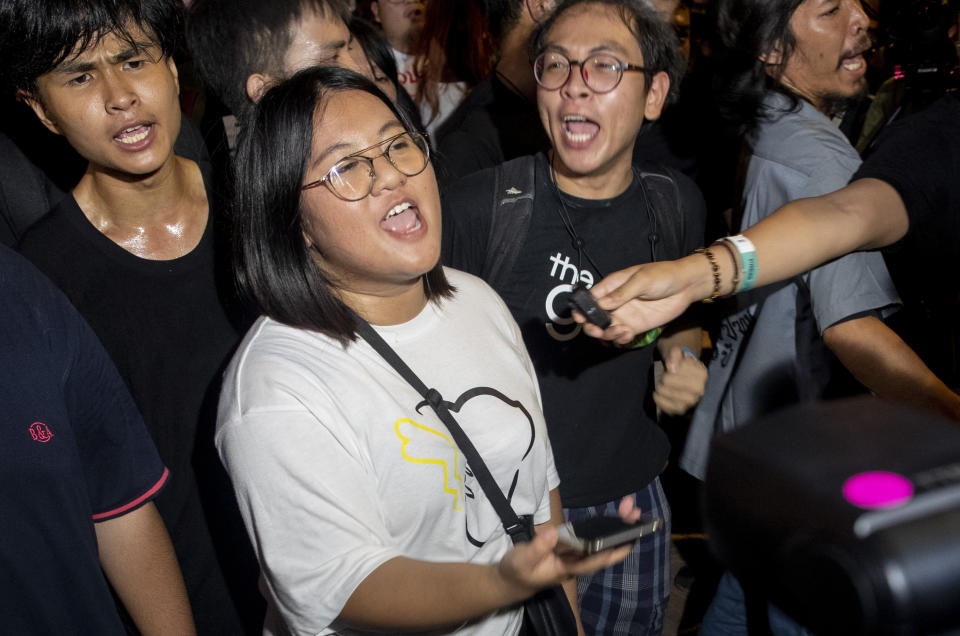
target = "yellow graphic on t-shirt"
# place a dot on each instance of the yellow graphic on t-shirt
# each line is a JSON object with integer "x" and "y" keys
{"x": 454, "y": 488}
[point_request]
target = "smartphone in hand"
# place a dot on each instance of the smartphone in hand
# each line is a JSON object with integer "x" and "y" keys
{"x": 599, "y": 533}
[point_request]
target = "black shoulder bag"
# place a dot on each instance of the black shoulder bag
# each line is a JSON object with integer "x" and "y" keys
{"x": 548, "y": 612}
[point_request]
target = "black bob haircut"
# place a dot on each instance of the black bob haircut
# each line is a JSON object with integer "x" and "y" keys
{"x": 230, "y": 40}
{"x": 750, "y": 31}
{"x": 272, "y": 263}
{"x": 657, "y": 39}
{"x": 36, "y": 36}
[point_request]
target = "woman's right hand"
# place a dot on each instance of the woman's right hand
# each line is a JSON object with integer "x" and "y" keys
{"x": 532, "y": 566}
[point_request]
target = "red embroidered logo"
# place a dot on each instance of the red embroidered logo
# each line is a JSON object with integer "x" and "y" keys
{"x": 40, "y": 432}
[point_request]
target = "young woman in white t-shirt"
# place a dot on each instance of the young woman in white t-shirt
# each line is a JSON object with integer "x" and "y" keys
{"x": 358, "y": 503}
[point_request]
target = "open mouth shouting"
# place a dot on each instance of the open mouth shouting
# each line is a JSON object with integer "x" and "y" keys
{"x": 853, "y": 61}
{"x": 135, "y": 136}
{"x": 403, "y": 220}
{"x": 578, "y": 130}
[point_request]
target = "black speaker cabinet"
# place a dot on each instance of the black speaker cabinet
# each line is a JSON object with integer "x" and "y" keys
{"x": 846, "y": 514}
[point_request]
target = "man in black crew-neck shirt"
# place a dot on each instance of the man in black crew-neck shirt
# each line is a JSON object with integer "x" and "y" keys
{"x": 133, "y": 247}
{"x": 592, "y": 214}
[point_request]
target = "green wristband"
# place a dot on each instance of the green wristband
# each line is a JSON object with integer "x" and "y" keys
{"x": 643, "y": 339}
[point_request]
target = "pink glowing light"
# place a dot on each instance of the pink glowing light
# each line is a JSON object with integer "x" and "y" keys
{"x": 877, "y": 489}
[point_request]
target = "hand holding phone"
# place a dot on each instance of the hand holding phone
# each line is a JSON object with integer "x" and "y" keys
{"x": 599, "y": 533}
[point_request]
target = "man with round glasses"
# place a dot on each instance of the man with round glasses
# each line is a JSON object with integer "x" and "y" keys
{"x": 601, "y": 73}
{"x": 603, "y": 67}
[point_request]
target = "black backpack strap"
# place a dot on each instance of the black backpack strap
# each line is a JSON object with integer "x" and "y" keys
{"x": 662, "y": 197}
{"x": 514, "y": 187}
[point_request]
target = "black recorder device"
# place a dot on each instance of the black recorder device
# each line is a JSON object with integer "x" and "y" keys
{"x": 581, "y": 300}
{"x": 845, "y": 514}
{"x": 599, "y": 533}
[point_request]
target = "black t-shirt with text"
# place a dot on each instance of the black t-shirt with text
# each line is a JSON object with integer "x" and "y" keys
{"x": 596, "y": 398}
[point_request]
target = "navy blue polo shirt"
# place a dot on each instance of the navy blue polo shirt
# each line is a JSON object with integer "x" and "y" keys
{"x": 73, "y": 451}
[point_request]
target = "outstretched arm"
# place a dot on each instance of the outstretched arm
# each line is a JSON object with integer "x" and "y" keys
{"x": 867, "y": 214}
{"x": 880, "y": 360}
{"x": 138, "y": 559}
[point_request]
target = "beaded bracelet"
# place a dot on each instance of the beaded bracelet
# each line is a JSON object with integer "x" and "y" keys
{"x": 716, "y": 272}
{"x": 736, "y": 267}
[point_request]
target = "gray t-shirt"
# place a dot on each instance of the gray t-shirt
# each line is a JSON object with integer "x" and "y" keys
{"x": 769, "y": 351}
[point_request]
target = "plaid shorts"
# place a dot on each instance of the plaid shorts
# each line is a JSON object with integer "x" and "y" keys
{"x": 630, "y": 598}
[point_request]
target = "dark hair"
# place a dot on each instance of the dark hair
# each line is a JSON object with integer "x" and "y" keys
{"x": 657, "y": 39}
{"x": 362, "y": 9}
{"x": 230, "y": 40}
{"x": 272, "y": 262}
{"x": 37, "y": 36}
{"x": 501, "y": 15}
{"x": 378, "y": 53}
{"x": 454, "y": 45}
{"x": 749, "y": 31}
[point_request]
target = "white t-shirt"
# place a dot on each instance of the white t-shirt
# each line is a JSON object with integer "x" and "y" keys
{"x": 337, "y": 471}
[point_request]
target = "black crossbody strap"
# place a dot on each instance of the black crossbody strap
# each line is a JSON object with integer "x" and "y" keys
{"x": 514, "y": 526}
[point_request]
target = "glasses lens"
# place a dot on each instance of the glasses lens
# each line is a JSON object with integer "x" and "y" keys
{"x": 551, "y": 70}
{"x": 408, "y": 153}
{"x": 602, "y": 73}
{"x": 351, "y": 178}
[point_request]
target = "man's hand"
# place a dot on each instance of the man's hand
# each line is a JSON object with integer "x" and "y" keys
{"x": 682, "y": 384}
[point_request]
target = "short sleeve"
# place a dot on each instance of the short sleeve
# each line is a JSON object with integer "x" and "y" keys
{"x": 310, "y": 503}
{"x": 120, "y": 462}
{"x": 77, "y": 388}
{"x": 854, "y": 284}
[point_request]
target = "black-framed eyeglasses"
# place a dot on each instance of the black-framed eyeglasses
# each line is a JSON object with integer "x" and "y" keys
{"x": 601, "y": 73}
{"x": 352, "y": 177}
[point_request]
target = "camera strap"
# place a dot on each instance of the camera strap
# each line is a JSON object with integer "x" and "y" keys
{"x": 519, "y": 529}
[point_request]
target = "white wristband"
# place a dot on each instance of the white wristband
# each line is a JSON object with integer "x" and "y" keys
{"x": 748, "y": 261}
